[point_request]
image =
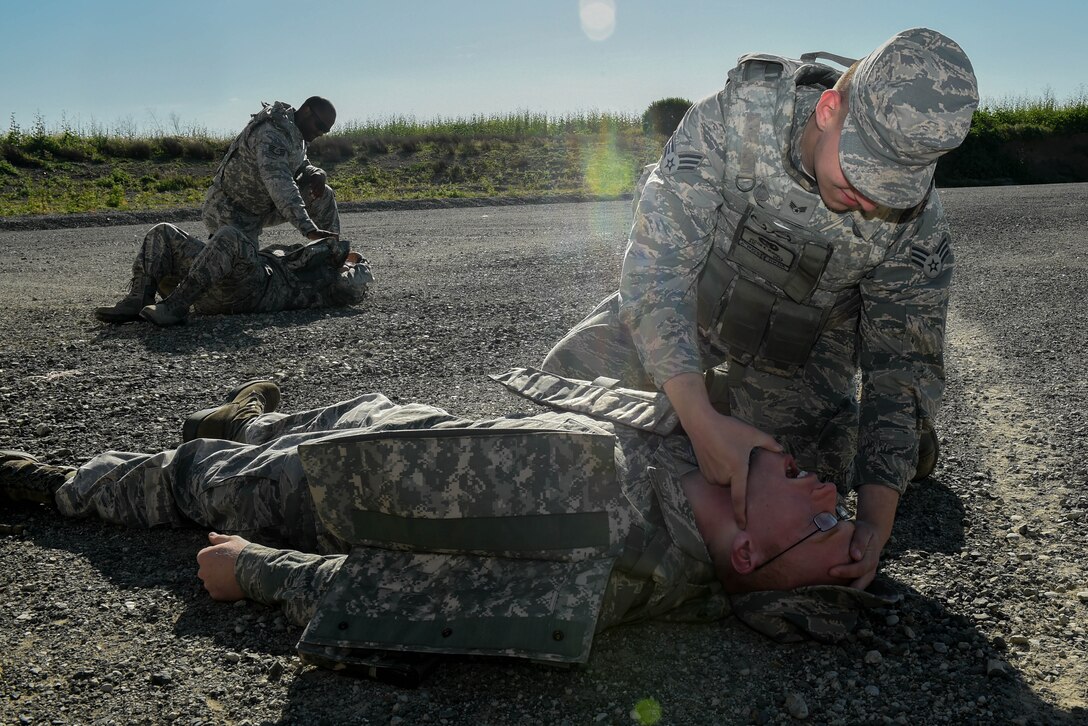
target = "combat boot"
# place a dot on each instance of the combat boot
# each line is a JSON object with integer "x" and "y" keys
{"x": 929, "y": 450}
{"x": 141, "y": 292}
{"x": 244, "y": 403}
{"x": 24, "y": 479}
{"x": 164, "y": 314}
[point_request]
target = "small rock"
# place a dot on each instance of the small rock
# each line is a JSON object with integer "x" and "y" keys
{"x": 42, "y": 431}
{"x": 161, "y": 679}
{"x": 871, "y": 690}
{"x": 873, "y": 657}
{"x": 1021, "y": 640}
{"x": 939, "y": 647}
{"x": 892, "y": 620}
{"x": 275, "y": 671}
{"x": 996, "y": 668}
{"x": 232, "y": 657}
{"x": 797, "y": 707}
{"x": 1083, "y": 595}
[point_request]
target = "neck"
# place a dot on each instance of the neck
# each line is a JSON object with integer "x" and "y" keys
{"x": 808, "y": 146}
{"x": 713, "y": 511}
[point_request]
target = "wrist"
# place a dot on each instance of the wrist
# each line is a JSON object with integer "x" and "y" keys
{"x": 877, "y": 505}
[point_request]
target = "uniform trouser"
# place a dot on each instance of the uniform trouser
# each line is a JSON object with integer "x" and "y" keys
{"x": 814, "y": 414}
{"x": 223, "y": 275}
{"x": 220, "y": 210}
{"x": 257, "y": 489}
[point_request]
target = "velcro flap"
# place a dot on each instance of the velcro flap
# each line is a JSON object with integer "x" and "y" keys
{"x": 436, "y": 603}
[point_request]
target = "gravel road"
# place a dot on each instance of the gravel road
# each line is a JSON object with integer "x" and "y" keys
{"x": 100, "y": 624}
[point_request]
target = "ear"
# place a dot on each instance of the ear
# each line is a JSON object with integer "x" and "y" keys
{"x": 741, "y": 554}
{"x": 828, "y": 108}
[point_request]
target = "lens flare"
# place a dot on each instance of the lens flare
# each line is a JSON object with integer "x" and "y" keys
{"x": 598, "y": 18}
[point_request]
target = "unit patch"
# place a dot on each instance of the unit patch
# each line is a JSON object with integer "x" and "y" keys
{"x": 673, "y": 161}
{"x": 931, "y": 262}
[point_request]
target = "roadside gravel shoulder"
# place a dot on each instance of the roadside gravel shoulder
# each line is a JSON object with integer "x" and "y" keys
{"x": 100, "y": 624}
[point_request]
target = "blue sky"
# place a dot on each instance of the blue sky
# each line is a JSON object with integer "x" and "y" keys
{"x": 209, "y": 63}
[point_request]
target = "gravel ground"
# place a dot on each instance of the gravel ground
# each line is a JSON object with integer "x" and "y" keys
{"x": 100, "y": 624}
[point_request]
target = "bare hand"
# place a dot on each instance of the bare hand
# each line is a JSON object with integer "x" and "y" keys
{"x": 865, "y": 549}
{"x": 317, "y": 184}
{"x": 217, "y": 566}
{"x": 723, "y": 446}
{"x": 722, "y": 443}
{"x": 321, "y": 234}
{"x": 873, "y": 528}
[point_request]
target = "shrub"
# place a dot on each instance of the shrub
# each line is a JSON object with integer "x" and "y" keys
{"x": 15, "y": 156}
{"x": 662, "y": 117}
{"x": 331, "y": 149}
{"x": 171, "y": 147}
{"x": 202, "y": 149}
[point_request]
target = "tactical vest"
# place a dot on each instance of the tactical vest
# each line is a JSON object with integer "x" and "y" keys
{"x": 782, "y": 267}
{"x": 276, "y": 113}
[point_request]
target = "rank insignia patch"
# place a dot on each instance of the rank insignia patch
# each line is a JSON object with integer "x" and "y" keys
{"x": 798, "y": 206}
{"x": 931, "y": 262}
{"x": 672, "y": 161}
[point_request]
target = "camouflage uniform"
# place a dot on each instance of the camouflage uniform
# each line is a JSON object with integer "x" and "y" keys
{"x": 733, "y": 258}
{"x": 517, "y": 536}
{"x": 263, "y": 180}
{"x": 229, "y": 275}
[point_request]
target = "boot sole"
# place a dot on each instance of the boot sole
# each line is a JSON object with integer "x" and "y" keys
{"x": 149, "y": 317}
{"x": 117, "y": 318}
{"x": 191, "y": 426}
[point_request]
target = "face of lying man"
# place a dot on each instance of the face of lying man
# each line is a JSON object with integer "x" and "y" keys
{"x": 782, "y": 546}
{"x": 782, "y": 504}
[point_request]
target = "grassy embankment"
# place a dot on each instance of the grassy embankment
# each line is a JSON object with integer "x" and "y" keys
{"x": 45, "y": 171}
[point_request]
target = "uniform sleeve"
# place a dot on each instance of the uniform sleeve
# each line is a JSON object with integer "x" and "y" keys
{"x": 669, "y": 242}
{"x": 902, "y": 330}
{"x": 294, "y": 581}
{"x": 274, "y": 165}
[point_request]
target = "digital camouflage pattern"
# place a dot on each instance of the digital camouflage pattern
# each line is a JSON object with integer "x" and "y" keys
{"x": 733, "y": 257}
{"x": 911, "y": 101}
{"x": 600, "y": 533}
{"x": 827, "y": 613}
{"x": 228, "y": 275}
{"x": 263, "y": 180}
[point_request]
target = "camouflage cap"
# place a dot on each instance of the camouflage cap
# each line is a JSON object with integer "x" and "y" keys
{"x": 826, "y": 613}
{"x": 911, "y": 100}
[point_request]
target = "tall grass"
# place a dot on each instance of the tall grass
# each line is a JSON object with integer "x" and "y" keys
{"x": 513, "y": 125}
{"x": 1014, "y": 116}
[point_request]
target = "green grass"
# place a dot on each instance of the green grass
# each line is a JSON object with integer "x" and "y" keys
{"x": 70, "y": 168}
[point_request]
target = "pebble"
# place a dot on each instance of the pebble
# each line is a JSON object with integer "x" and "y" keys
{"x": 939, "y": 647}
{"x": 1021, "y": 640}
{"x": 873, "y": 657}
{"x": 872, "y": 690}
{"x": 995, "y": 667}
{"x": 232, "y": 657}
{"x": 796, "y": 706}
{"x": 1083, "y": 595}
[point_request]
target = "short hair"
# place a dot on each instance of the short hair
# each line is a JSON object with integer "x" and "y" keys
{"x": 322, "y": 108}
{"x": 763, "y": 578}
{"x": 843, "y": 84}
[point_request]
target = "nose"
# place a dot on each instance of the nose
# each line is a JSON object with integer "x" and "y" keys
{"x": 824, "y": 494}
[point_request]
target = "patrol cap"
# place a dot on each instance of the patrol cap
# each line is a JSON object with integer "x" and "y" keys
{"x": 911, "y": 100}
{"x": 825, "y": 613}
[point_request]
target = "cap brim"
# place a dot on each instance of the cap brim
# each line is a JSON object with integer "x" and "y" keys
{"x": 886, "y": 182}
